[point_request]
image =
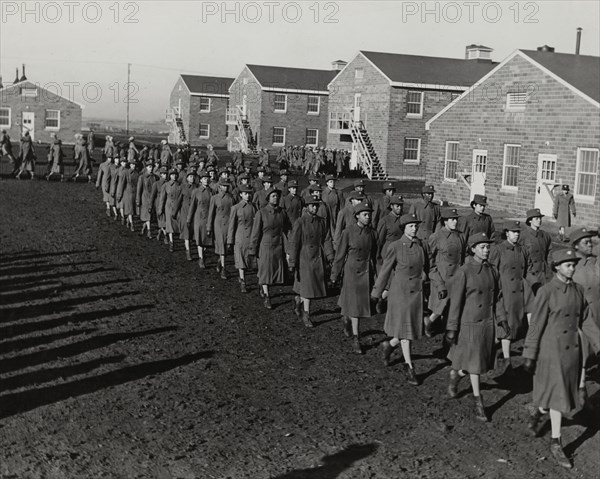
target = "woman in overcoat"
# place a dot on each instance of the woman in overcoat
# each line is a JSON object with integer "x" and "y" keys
{"x": 6, "y": 150}
{"x": 120, "y": 179}
{"x": 26, "y": 156}
{"x": 197, "y": 218}
{"x": 476, "y": 307}
{"x": 218, "y": 222}
{"x": 241, "y": 220}
{"x": 143, "y": 198}
{"x": 538, "y": 245}
{"x": 57, "y": 157}
{"x": 553, "y": 349}
{"x": 311, "y": 253}
{"x": 446, "y": 254}
{"x": 356, "y": 260}
{"x": 512, "y": 262}
{"x": 388, "y": 231}
{"x": 564, "y": 207}
{"x": 155, "y": 203}
{"x": 103, "y": 181}
{"x": 114, "y": 169}
{"x": 268, "y": 242}
{"x": 187, "y": 191}
{"x": 127, "y": 191}
{"x": 170, "y": 202}
{"x": 82, "y": 155}
{"x": 403, "y": 272}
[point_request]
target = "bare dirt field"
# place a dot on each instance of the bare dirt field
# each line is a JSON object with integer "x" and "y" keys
{"x": 119, "y": 359}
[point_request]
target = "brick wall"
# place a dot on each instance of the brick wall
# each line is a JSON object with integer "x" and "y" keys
{"x": 215, "y": 118}
{"x": 245, "y": 85}
{"x": 70, "y": 113}
{"x": 555, "y": 121}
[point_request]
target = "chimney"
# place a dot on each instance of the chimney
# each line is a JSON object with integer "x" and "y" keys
{"x": 17, "y": 77}
{"x": 338, "y": 65}
{"x": 23, "y": 77}
{"x": 578, "y": 44}
{"x": 478, "y": 52}
{"x": 546, "y": 48}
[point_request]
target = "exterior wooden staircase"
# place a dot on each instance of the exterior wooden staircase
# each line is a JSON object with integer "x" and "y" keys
{"x": 367, "y": 157}
{"x": 173, "y": 118}
{"x": 236, "y": 118}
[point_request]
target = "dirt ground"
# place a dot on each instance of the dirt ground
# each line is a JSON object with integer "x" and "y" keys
{"x": 119, "y": 359}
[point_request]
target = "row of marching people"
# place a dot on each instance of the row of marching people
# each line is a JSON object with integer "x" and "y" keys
{"x": 481, "y": 291}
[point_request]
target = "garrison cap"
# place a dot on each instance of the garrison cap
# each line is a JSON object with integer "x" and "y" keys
{"x": 563, "y": 255}
{"x": 428, "y": 189}
{"x": 581, "y": 233}
{"x": 315, "y": 187}
{"x": 448, "y": 213}
{"x": 513, "y": 226}
{"x": 388, "y": 185}
{"x": 292, "y": 184}
{"x": 408, "y": 219}
{"x": 477, "y": 238}
{"x": 361, "y": 207}
{"x": 397, "y": 200}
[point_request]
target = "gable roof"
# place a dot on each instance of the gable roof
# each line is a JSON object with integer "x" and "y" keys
{"x": 589, "y": 67}
{"x": 207, "y": 85}
{"x": 428, "y": 72}
{"x": 292, "y": 79}
{"x": 581, "y": 71}
{"x": 29, "y": 83}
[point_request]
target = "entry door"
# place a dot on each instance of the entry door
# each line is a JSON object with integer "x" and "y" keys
{"x": 29, "y": 123}
{"x": 478, "y": 173}
{"x": 357, "y": 100}
{"x": 546, "y": 180}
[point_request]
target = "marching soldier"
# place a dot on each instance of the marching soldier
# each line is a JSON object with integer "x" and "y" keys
{"x": 477, "y": 221}
{"x": 57, "y": 156}
{"x": 346, "y": 216}
{"x": 292, "y": 203}
{"x": 218, "y": 222}
{"x": 6, "y": 150}
{"x": 120, "y": 179}
{"x": 259, "y": 200}
{"x": 333, "y": 199}
{"x": 322, "y": 208}
{"x": 155, "y": 203}
{"x": 283, "y": 183}
{"x": 170, "y": 201}
{"x": 427, "y": 212}
{"x": 384, "y": 202}
{"x": 103, "y": 181}
{"x": 211, "y": 156}
{"x": 239, "y": 231}
{"x": 166, "y": 156}
{"x": 538, "y": 244}
{"x": 187, "y": 190}
{"x": 126, "y": 192}
{"x": 115, "y": 168}
{"x": 305, "y": 194}
{"x": 198, "y": 216}
{"x": 144, "y": 197}
{"x": 257, "y": 183}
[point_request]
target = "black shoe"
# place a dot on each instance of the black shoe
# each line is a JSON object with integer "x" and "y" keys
{"x": 171, "y": 247}
{"x": 411, "y": 377}
{"x": 260, "y": 291}
{"x": 386, "y": 352}
{"x": 537, "y": 421}
{"x": 201, "y": 263}
{"x": 297, "y": 306}
{"x": 559, "y": 454}
{"x": 267, "y": 303}
{"x": 480, "y": 409}
{"x": 503, "y": 366}
{"x": 453, "y": 383}
{"x": 306, "y": 320}
{"x": 223, "y": 273}
{"x": 347, "y": 326}
{"x": 188, "y": 255}
{"x": 380, "y": 306}
{"x": 243, "y": 287}
{"x": 356, "y": 347}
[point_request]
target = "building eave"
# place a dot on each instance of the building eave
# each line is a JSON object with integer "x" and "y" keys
{"x": 295, "y": 90}
{"x": 212, "y": 95}
{"x": 429, "y": 86}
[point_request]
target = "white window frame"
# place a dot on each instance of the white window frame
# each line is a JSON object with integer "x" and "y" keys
{"x": 457, "y": 161}
{"x": 285, "y": 98}
{"x": 46, "y": 120}
{"x": 318, "y": 105}
{"x": 203, "y": 110}
{"x": 590, "y": 199}
{"x": 9, "y": 116}
{"x": 412, "y": 161}
{"x": 415, "y": 115}
{"x": 359, "y": 73}
{"x": 341, "y": 117}
{"x": 29, "y": 92}
{"x": 316, "y": 143}
{"x": 284, "y": 132}
{"x": 516, "y": 101}
{"x": 504, "y": 186}
{"x": 207, "y": 129}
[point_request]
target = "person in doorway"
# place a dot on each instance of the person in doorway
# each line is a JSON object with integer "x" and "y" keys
{"x": 564, "y": 207}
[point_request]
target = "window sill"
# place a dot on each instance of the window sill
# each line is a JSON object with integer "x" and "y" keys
{"x": 278, "y": 144}
{"x": 313, "y": 113}
{"x": 411, "y": 162}
{"x": 279, "y": 111}
{"x": 204, "y": 137}
{"x": 450, "y": 180}
{"x": 508, "y": 189}
{"x": 204, "y": 111}
{"x": 52, "y": 128}
{"x": 414, "y": 116}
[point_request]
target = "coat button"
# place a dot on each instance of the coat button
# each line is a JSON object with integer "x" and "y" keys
{"x": 481, "y": 305}
{"x": 567, "y": 347}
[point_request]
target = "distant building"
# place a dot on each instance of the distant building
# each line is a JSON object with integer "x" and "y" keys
{"x": 25, "y": 106}
{"x": 527, "y": 127}
{"x": 275, "y": 106}
{"x": 197, "y": 109}
{"x": 379, "y": 104}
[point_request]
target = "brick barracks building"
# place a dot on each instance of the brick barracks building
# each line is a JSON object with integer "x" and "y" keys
{"x": 198, "y": 105}
{"x": 527, "y": 127}
{"x": 380, "y": 103}
{"x": 26, "y": 106}
{"x": 277, "y": 106}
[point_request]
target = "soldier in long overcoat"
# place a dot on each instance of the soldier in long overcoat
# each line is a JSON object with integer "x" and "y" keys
{"x": 126, "y": 192}
{"x": 282, "y": 184}
{"x": 241, "y": 221}
{"x": 122, "y": 171}
{"x": 132, "y": 152}
{"x": 311, "y": 253}
{"x": 292, "y": 203}
{"x": 447, "y": 248}
{"x": 553, "y": 349}
{"x": 26, "y": 156}
{"x": 512, "y": 262}
{"x": 259, "y": 200}
{"x": 197, "y": 217}
{"x": 166, "y": 155}
{"x": 218, "y": 222}
{"x": 404, "y": 270}
{"x": 155, "y": 203}
{"x": 109, "y": 147}
{"x": 115, "y": 167}
{"x": 211, "y": 156}
{"x": 103, "y": 181}
{"x": 334, "y": 200}
{"x": 564, "y": 207}
{"x": 268, "y": 243}
{"x": 169, "y": 204}
{"x": 538, "y": 245}
{"x": 355, "y": 259}
{"x": 143, "y": 197}
{"x": 428, "y": 212}
{"x": 57, "y": 157}
{"x": 346, "y": 216}
{"x": 478, "y": 221}
{"x": 187, "y": 191}
{"x": 82, "y": 154}
{"x": 6, "y": 150}
{"x": 476, "y": 308}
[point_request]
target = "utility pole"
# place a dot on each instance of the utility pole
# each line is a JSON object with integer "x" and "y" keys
{"x": 127, "y": 97}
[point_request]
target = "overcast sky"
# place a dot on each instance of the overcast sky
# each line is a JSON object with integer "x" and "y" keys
{"x": 90, "y": 43}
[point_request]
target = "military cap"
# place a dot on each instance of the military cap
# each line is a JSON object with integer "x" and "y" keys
{"x": 448, "y": 213}
{"x": 133, "y": 161}
{"x": 428, "y": 189}
{"x": 534, "y": 213}
{"x": 179, "y": 162}
{"x": 396, "y": 200}
{"x": 267, "y": 179}
{"x": 190, "y": 171}
{"x": 513, "y": 226}
{"x": 292, "y": 184}
{"x": 565, "y": 187}
{"x": 245, "y": 189}
{"x": 312, "y": 201}
{"x": 224, "y": 182}
{"x": 173, "y": 172}
{"x": 284, "y": 172}
{"x": 259, "y": 169}
{"x": 243, "y": 176}
{"x": 273, "y": 190}
{"x": 581, "y": 233}
{"x": 388, "y": 185}
{"x": 355, "y": 195}
{"x": 211, "y": 168}
{"x": 228, "y": 164}
{"x": 123, "y": 159}
{"x": 203, "y": 174}
{"x": 477, "y": 238}
{"x": 315, "y": 187}
{"x": 562, "y": 255}
{"x": 149, "y": 163}
{"x": 360, "y": 182}
{"x": 163, "y": 169}
{"x": 408, "y": 219}
{"x": 330, "y": 177}
{"x": 361, "y": 207}
{"x": 312, "y": 177}
{"x": 479, "y": 200}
